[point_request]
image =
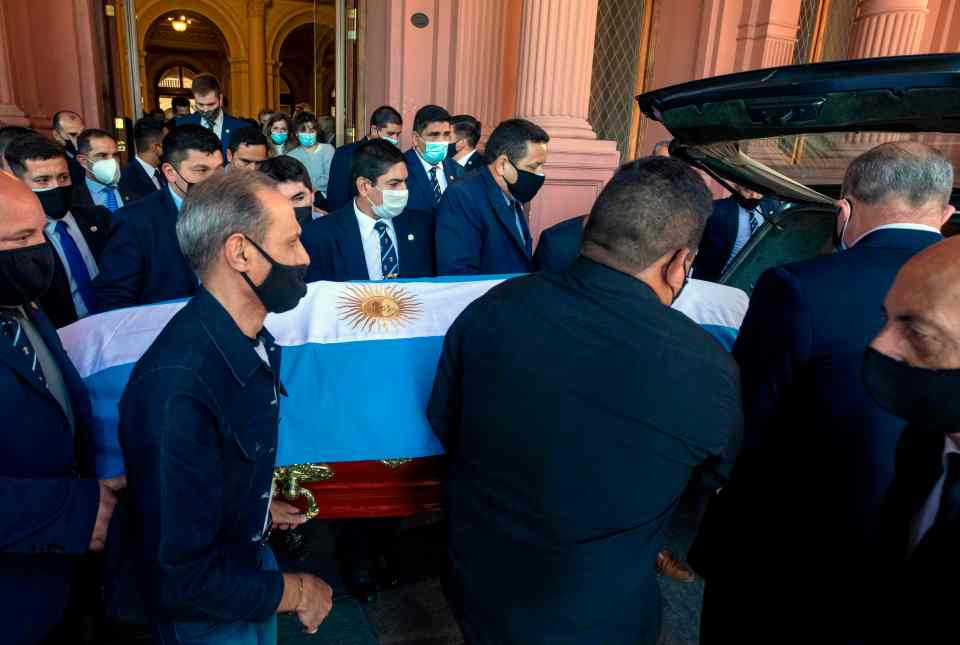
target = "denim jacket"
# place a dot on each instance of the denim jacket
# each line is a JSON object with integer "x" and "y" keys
{"x": 198, "y": 427}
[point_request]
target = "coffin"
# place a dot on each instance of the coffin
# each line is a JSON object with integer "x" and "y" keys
{"x": 353, "y": 489}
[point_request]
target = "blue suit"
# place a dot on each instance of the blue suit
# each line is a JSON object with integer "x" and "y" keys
{"x": 559, "y": 245}
{"x": 818, "y": 453}
{"x": 720, "y": 236}
{"x": 336, "y": 250}
{"x": 477, "y": 230}
{"x": 46, "y": 512}
{"x": 339, "y": 186}
{"x": 418, "y": 183}
{"x": 230, "y": 125}
{"x": 142, "y": 262}
{"x": 135, "y": 182}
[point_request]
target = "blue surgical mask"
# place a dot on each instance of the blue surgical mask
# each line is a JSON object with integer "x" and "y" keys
{"x": 435, "y": 152}
{"x": 307, "y": 139}
{"x": 393, "y": 140}
{"x": 278, "y": 138}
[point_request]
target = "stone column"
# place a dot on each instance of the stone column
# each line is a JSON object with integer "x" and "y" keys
{"x": 10, "y": 113}
{"x": 888, "y": 28}
{"x": 553, "y": 90}
{"x": 768, "y": 38}
{"x": 257, "y": 57}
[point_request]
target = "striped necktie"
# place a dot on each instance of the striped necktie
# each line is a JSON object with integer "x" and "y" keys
{"x": 110, "y": 193}
{"x": 12, "y": 329}
{"x": 436, "y": 185}
{"x": 389, "y": 260}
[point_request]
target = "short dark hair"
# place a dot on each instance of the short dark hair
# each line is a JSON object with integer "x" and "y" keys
{"x": 56, "y": 117}
{"x": 205, "y": 83}
{"x": 384, "y": 116}
{"x": 180, "y": 101}
{"x": 429, "y": 114}
{"x": 285, "y": 169}
{"x": 184, "y": 138}
{"x": 250, "y": 135}
{"x": 466, "y": 126}
{"x": 373, "y": 159}
{"x": 651, "y": 206}
{"x": 146, "y": 132}
{"x": 276, "y": 118}
{"x": 88, "y": 135}
{"x": 303, "y": 118}
{"x": 31, "y": 147}
{"x": 512, "y": 138}
{"x": 9, "y": 133}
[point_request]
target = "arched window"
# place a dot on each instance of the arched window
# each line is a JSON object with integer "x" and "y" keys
{"x": 176, "y": 78}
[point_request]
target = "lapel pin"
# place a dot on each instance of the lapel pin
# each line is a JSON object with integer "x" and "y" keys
{"x": 410, "y": 237}
{"x": 93, "y": 229}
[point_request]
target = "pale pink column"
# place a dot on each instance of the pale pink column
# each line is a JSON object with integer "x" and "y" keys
{"x": 553, "y": 90}
{"x": 10, "y": 113}
{"x": 888, "y": 28}
{"x": 480, "y": 52}
{"x": 768, "y": 37}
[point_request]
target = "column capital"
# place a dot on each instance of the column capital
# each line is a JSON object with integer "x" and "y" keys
{"x": 256, "y": 8}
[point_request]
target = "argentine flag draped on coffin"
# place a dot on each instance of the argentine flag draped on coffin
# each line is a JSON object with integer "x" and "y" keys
{"x": 358, "y": 362}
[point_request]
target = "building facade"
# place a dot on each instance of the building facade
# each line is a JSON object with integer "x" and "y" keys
{"x": 572, "y": 66}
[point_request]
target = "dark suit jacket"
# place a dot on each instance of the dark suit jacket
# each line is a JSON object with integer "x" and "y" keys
{"x": 230, "y": 125}
{"x": 418, "y": 183}
{"x": 135, "y": 181}
{"x": 720, "y": 235}
{"x": 475, "y": 162}
{"x": 77, "y": 173}
{"x": 47, "y": 514}
{"x": 477, "y": 231}
{"x": 336, "y": 250}
{"x": 81, "y": 197}
{"x": 539, "y": 556}
{"x": 339, "y": 186}
{"x": 910, "y": 604}
{"x": 559, "y": 245}
{"x": 57, "y": 302}
{"x": 817, "y": 454}
{"x": 142, "y": 262}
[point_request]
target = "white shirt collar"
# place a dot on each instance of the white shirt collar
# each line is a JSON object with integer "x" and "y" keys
{"x": 901, "y": 227}
{"x": 147, "y": 167}
{"x": 463, "y": 162}
{"x": 51, "y": 226}
{"x": 427, "y": 166}
{"x": 367, "y": 223}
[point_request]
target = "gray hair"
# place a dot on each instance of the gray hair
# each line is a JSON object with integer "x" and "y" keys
{"x": 225, "y": 204}
{"x": 915, "y": 172}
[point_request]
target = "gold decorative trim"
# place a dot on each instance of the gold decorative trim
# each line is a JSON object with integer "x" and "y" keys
{"x": 288, "y": 480}
{"x": 393, "y": 464}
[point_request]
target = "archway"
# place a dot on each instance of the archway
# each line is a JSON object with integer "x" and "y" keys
{"x": 291, "y": 47}
{"x": 177, "y": 46}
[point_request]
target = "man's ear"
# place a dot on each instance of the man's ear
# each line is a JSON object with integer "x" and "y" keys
{"x": 843, "y": 214}
{"x": 948, "y": 212}
{"x": 676, "y": 269}
{"x": 236, "y": 252}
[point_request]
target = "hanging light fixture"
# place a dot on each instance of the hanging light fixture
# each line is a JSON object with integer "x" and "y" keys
{"x": 180, "y": 24}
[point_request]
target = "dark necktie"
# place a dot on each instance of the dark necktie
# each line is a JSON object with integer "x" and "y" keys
{"x": 523, "y": 229}
{"x": 389, "y": 260}
{"x": 950, "y": 498}
{"x": 12, "y": 330}
{"x": 755, "y": 221}
{"x": 436, "y": 185}
{"x": 161, "y": 180}
{"x": 78, "y": 268}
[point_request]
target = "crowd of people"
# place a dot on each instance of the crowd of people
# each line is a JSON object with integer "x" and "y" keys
{"x": 577, "y": 404}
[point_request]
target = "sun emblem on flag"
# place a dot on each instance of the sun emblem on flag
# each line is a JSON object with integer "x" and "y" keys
{"x": 368, "y": 306}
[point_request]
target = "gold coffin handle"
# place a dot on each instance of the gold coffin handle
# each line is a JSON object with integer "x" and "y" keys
{"x": 290, "y": 478}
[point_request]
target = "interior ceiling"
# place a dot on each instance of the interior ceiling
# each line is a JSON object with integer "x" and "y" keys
{"x": 201, "y": 35}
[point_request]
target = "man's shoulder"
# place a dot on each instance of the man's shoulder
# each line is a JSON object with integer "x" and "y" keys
{"x": 177, "y": 351}
{"x": 145, "y": 210}
{"x": 91, "y": 216}
{"x": 329, "y": 225}
{"x": 566, "y": 228}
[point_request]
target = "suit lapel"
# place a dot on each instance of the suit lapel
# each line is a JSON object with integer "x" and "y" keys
{"x": 732, "y": 221}
{"x": 505, "y": 212}
{"x": 350, "y": 246}
{"x": 420, "y": 180}
{"x": 407, "y": 243}
{"x": 19, "y": 364}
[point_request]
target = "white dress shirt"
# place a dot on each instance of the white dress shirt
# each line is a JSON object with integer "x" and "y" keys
{"x": 463, "y": 162}
{"x": 743, "y": 231}
{"x": 371, "y": 241}
{"x": 74, "y": 231}
{"x": 900, "y": 227}
{"x": 441, "y": 176}
{"x": 150, "y": 170}
{"x": 928, "y": 514}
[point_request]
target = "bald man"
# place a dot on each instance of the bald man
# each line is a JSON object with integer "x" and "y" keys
{"x": 912, "y": 369}
{"x": 49, "y": 512}
{"x": 817, "y": 452}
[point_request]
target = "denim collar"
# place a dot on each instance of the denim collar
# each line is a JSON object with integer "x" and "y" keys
{"x": 235, "y": 348}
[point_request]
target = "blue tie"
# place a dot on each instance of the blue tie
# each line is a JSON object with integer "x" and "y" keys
{"x": 13, "y": 330}
{"x": 389, "y": 260}
{"x": 78, "y": 268}
{"x": 111, "y": 194}
{"x": 436, "y": 185}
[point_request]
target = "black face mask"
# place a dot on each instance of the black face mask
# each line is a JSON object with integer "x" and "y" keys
{"x": 283, "y": 287}
{"x": 55, "y": 201}
{"x": 209, "y": 116}
{"x": 527, "y": 186}
{"x": 451, "y": 151}
{"x": 925, "y": 398}
{"x": 25, "y": 274}
{"x": 304, "y": 214}
{"x": 186, "y": 191}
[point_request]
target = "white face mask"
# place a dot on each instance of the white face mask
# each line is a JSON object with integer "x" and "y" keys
{"x": 394, "y": 201}
{"x": 106, "y": 171}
